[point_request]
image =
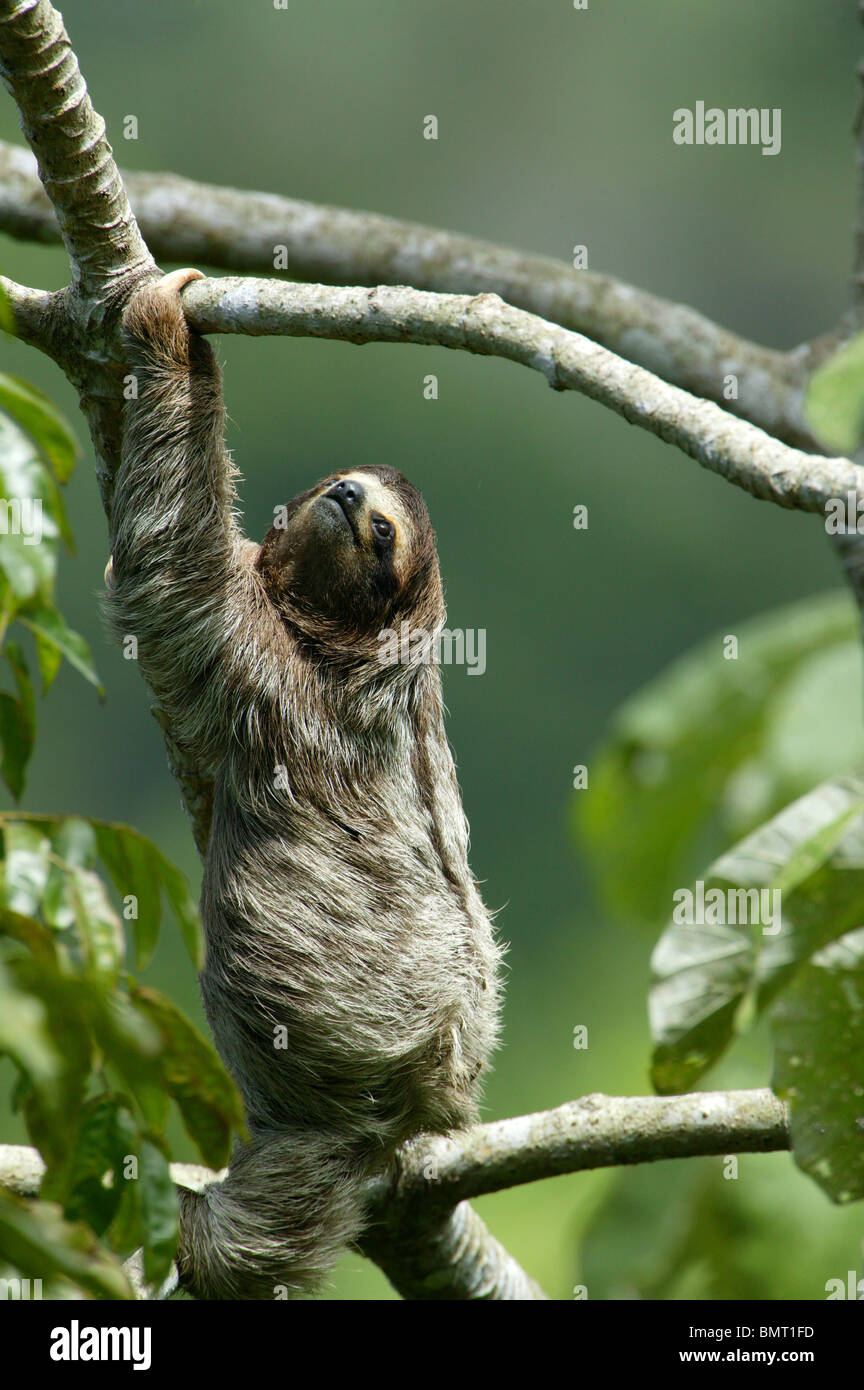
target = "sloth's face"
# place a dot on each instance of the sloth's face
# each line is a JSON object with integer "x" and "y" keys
{"x": 357, "y": 549}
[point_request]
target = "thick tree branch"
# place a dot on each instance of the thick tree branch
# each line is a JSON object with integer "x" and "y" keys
{"x": 67, "y": 137}
{"x": 736, "y": 450}
{"x": 233, "y": 230}
{"x": 448, "y": 1256}
{"x": 432, "y": 1245}
{"x": 107, "y": 254}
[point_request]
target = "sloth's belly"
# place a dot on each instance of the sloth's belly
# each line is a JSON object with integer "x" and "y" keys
{"x": 347, "y": 978}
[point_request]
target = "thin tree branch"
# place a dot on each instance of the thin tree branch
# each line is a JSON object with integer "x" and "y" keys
{"x": 431, "y": 1249}
{"x": 432, "y": 1245}
{"x": 32, "y": 311}
{"x": 734, "y": 449}
{"x": 205, "y": 224}
{"x": 596, "y": 1131}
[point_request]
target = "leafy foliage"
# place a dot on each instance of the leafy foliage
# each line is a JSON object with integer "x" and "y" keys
{"x": 35, "y": 1237}
{"x": 713, "y": 747}
{"x": 773, "y": 927}
{"x": 710, "y": 1229}
{"x": 715, "y": 974}
{"x": 714, "y": 977}
{"x": 819, "y": 1026}
{"x": 37, "y": 453}
{"x": 99, "y": 1056}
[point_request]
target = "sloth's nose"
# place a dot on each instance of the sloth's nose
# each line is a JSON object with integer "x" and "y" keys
{"x": 347, "y": 493}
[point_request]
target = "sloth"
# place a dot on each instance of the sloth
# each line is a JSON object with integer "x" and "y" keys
{"x": 351, "y": 970}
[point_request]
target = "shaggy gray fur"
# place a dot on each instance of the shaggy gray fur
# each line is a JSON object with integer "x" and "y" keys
{"x": 351, "y": 972}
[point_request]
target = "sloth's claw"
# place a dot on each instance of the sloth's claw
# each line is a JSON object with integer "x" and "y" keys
{"x": 174, "y": 281}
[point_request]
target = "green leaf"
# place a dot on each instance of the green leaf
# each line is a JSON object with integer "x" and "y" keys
{"x": 131, "y": 1050}
{"x": 159, "y": 1215}
{"x": 56, "y": 508}
{"x": 73, "y": 843}
{"x": 206, "y": 1096}
{"x": 52, "y": 1110}
{"x": 17, "y": 722}
{"x": 135, "y": 869}
{"x": 105, "y": 1138}
{"x": 23, "y": 684}
{"x": 38, "y": 415}
{"x": 24, "y": 1035}
{"x": 147, "y": 1216}
{"x": 834, "y": 403}
{"x": 184, "y": 909}
{"x": 32, "y": 934}
{"x": 713, "y": 976}
{"x": 49, "y": 658}
{"x": 36, "y": 1240}
{"x": 698, "y": 750}
{"x": 26, "y": 863}
{"x": 140, "y": 873}
{"x": 98, "y": 925}
{"x": 16, "y": 742}
{"x": 29, "y": 531}
{"x": 819, "y": 1035}
{"x": 50, "y": 627}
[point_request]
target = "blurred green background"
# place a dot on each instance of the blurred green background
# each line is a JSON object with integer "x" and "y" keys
{"x": 555, "y": 128}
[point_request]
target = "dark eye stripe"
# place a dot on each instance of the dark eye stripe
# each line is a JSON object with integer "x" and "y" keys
{"x": 383, "y": 528}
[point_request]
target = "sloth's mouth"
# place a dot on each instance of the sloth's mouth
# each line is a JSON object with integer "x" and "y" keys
{"x": 344, "y": 513}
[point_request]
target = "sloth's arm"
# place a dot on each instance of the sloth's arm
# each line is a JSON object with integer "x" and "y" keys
{"x": 180, "y": 580}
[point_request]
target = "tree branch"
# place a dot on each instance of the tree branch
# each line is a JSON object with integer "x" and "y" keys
{"x": 67, "y": 137}
{"x": 205, "y": 224}
{"x": 432, "y": 1245}
{"x": 107, "y": 255}
{"x": 32, "y": 311}
{"x": 448, "y": 1256}
{"x": 596, "y": 1131}
{"x": 106, "y": 252}
{"x": 734, "y": 449}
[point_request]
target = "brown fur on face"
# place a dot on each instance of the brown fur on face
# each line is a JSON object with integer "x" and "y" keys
{"x": 318, "y": 566}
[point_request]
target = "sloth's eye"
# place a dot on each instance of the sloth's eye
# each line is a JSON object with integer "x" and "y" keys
{"x": 383, "y": 528}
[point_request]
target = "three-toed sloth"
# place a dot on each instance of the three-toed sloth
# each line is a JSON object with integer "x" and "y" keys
{"x": 351, "y": 974}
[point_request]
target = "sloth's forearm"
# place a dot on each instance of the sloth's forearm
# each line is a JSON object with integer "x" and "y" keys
{"x": 174, "y": 489}
{"x": 174, "y": 564}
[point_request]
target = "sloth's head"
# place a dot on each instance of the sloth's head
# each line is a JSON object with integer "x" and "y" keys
{"x": 355, "y": 553}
